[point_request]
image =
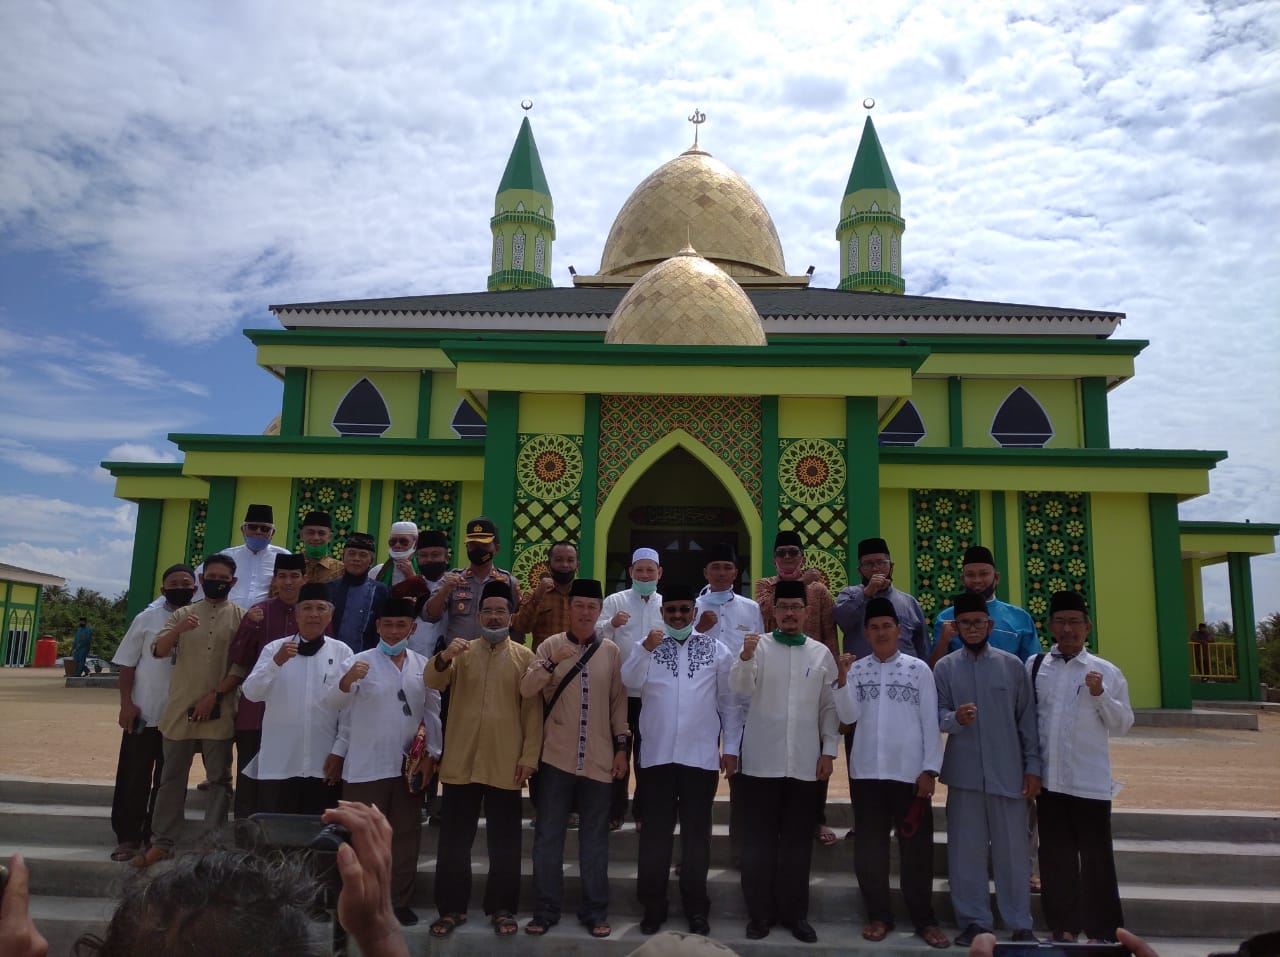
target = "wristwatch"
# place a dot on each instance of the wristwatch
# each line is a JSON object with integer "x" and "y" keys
{"x": 549, "y": 665}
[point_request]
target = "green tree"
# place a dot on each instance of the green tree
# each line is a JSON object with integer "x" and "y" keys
{"x": 1269, "y": 650}
{"x": 62, "y": 609}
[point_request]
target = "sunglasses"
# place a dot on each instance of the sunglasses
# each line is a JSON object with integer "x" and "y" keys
{"x": 787, "y": 553}
{"x": 404, "y": 702}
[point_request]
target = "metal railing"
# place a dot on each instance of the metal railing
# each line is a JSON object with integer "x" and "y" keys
{"x": 1214, "y": 661}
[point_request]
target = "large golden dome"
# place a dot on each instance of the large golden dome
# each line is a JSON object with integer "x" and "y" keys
{"x": 694, "y": 198}
{"x": 686, "y": 301}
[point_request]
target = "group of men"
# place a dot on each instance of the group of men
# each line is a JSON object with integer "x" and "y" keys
{"x": 375, "y": 682}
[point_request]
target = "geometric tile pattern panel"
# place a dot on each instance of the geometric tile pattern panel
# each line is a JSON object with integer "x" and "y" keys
{"x": 944, "y": 523}
{"x": 812, "y": 501}
{"x": 727, "y": 425}
{"x": 1056, "y": 554}
{"x": 548, "y": 505}
{"x": 338, "y": 497}
{"x": 431, "y": 506}
{"x": 196, "y": 523}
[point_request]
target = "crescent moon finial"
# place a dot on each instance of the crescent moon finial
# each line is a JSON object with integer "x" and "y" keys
{"x": 526, "y": 105}
{"x": 869, "y": 103}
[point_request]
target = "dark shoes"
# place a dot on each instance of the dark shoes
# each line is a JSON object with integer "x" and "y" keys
{"x": 1025, "y": 935}
{"x": 698, "y": 925}
{"x": 966, "y": 936}
{"x": 802, "y": 931}
{"x": 650, "y": 924}
{"x": 406, "y": 916}
{"x": 757, "y": 929}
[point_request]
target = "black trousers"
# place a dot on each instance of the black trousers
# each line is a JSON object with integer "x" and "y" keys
{"x": 137, "y": 780}
{"x": 779, "y": 815}
{"x": 1077, "y": 866}
{"x": 618, "y": 804}
{"x": 296, "y": 796}
{"x": 461, "y": 809}
{"x": 675, "y": 792}
{"x": 248, "y": 743}
{"x": 879, "y": 806}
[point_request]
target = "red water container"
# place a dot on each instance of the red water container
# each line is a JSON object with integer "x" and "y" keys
{"x": 46, "y": 652}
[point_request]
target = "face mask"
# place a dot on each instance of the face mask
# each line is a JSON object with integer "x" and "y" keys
{"x": 478, "y": 556}
{"x": 432, "y": 571}
{"x": 399, "y": 554}
{"x": 392, "y": 650}
{"x": 988, "y": 593}
{"x": 216, "y": 590}
{"x": 315, "y": 552}
{"x": 680, "y": 634}
{"x": 309, "y": 648}
{"x": 494, "y": 635}
{"x": 256, "y": 543}
{"x": 976, "y": 646}
{"x": 644, "y": 589}
{"x": 178, "y": 597}
{"x": 562, "y": 578}
{"x": 715, "y": 598}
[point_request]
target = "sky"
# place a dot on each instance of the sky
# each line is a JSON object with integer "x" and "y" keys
{"x": 168, "y": 170}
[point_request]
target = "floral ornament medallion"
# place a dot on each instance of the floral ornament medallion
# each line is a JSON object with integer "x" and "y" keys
{"x": 549, "y": 466}
{"x": 811, "y": 471}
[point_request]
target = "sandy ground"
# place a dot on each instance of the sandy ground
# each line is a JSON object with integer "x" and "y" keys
{"x": 51, "y": 731}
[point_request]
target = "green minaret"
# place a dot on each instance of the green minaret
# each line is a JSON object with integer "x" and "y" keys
{"x": 523, "y": 223}
{"x": 871, "y": 225}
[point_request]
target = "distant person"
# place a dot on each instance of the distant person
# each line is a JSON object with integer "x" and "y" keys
{"x": 1012, "y": 629}
{"x": 433, "y": 563}
{"x": 402, "y": 557}
{"x": 317, "y": 538}
{"x": 144, "y": 688}
{"x": 1201, "y": 639}
{"x": 255, "y": 559}
{"x": 80, "y": 647}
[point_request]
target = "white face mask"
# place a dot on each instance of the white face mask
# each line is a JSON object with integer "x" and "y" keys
{"x": 401, "y": 554}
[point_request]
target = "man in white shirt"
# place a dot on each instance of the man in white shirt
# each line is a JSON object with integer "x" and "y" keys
{"x": 893, "y": 766}
{"x": 1081, "y": 701}
{"x": 294, "y": 766}
{"x": 255, "y": 559}
{"x": 625, "y": 619}
{"x": 144, "y": 688}
{"x": 684, "y": 679}
{"x": 788, "y": 746}
{"x": 384, "y": 700}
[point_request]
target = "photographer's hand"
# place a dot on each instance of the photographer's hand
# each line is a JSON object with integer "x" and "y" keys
{"x": 18, "y": 935}
{"x": 364, "y": 905}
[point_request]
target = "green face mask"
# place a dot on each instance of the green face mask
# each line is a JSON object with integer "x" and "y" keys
{"x": 680, "y": 634}
{"x": 315, "y": 551}
{"x": 644, "y": 589}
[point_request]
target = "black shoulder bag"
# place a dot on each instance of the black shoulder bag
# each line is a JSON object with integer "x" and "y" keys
{"x": 573, "y": 672}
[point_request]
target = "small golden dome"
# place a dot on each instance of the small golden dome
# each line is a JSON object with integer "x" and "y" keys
{"x": 273, "y": 427}
{"x": 686, "y": 301}
{"x": 693, "y": 197}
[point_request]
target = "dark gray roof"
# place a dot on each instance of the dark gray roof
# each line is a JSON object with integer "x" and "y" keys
{"x": 768, "y": 302}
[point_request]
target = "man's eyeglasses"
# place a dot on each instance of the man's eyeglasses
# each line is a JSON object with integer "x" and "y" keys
{"x": 1068, "y": 622}
{"x": 878, "y": 563}
{"x": 787, "y": 553}
{"x": 788, "y": 606}
{"x": 404, "y": 702}
{"x": 973, "y": 625}
{"x": 678, "y": 609}
{"x": 402, "y": 541}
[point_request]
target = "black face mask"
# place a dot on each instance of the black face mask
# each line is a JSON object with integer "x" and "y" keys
{"x": 309, "y": 648}
{"x": 216, "y": 590}
{"x": 432, "y": 571}
{"x": 478, "y": 556}
{"x": 562, "y": 578}
{"x": 976, "y": 646}
{"x": 178, "y": 597}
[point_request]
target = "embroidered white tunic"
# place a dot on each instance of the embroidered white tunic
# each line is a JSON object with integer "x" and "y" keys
{"x": 688, "y": 706}
{"x": 151, "y": 674}
{"x": 645, "y": 616}
{"x": 895, "y": 705}
{"x": 301, "y": 721}
{"x": 374, "y": 733}
{"x": 791, "y": 719}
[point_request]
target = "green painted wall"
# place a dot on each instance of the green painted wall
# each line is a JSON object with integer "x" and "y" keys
{"x": 23, "y": 594}
{"x": 399, "y": 391}
{"x": 276, "y": 492}
{"x": 895, "y": 528}
{"x": 1124, "y": 592}
{"x": 1059, "y": 397}
{"x": 444, "y": 401}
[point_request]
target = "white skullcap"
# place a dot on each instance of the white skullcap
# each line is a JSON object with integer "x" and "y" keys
{"x": 404, "y": 528}
{"x": 640, "y": 554}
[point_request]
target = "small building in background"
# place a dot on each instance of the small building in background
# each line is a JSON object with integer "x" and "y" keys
{"x": 20, "y": 595}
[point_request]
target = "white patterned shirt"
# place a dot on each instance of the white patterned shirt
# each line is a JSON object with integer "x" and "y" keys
{"x": 895, "y": 705}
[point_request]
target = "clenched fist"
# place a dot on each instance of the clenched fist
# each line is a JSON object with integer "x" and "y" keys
{"x": 358, "y": 671}
{"x": 653, "y": 639}
{"x": 286, "y": 651}
{"x": 564, "y": 652}
{"x": 620, "y": 619}
{"x": 456, "y": 647}
{"x": 749, "y": 643}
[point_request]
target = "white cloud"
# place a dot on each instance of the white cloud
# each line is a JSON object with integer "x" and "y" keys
{"x": 28, "y": 459}
{"x": 138, "y": 452}
{"x": 103, "y": 566}
{"x": 55, "y": 521}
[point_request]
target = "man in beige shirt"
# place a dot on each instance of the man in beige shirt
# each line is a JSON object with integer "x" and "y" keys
{"x": 491, "y": 747}
{"x": 201, "y": 705}
{"x": 584, "y": 748}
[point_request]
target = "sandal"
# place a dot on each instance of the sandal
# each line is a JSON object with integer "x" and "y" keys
{"x": 125, "y": 852}
{"x": 538, "y": 926}
{"x": 825, "y": 836}
{"x": 934, "y": 937}
{"x": 615, "y": 825}
{"x": 599, "y": 931}
{"x": 446, "y": 924}
{"x": 504, "y": 924}
{"x": 875, "y": 931}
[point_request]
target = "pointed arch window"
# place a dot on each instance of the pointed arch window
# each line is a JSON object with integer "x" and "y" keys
{"x": 875, "y": 207}
{"x": 874, "y": 257}
{"x": 1021, "y": 422}
{"x": 894, "y": 266}
{"x": 905, "y": 428}
{"x": 362, "y": 411}
{"x": 466, "y": 422}
{"x": 853, "y": 254}
{"x": 542, "y": 210}
{"x": 517, "y": 251}
{"x": 539, "y": 254}
{"x": 497, "y": 252}
{"x": 520, "y": 206}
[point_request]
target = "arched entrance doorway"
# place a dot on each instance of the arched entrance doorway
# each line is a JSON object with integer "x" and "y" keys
{"x": 680, "y": 507}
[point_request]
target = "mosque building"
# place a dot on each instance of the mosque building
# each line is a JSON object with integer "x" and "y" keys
{"x": 693, "y": 391}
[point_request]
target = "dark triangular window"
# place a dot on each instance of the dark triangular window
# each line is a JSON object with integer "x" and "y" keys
{"x": 1021, "y": 422}
{"x": 905, "y": 428}
{"x": 362, "y": 411}
{"x": 466, "y": 422}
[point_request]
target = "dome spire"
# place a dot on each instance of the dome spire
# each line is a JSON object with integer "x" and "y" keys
{"x": 871, "y": 224}
{"x": 523, "y": 223}
{"x": 697, "y": 118}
